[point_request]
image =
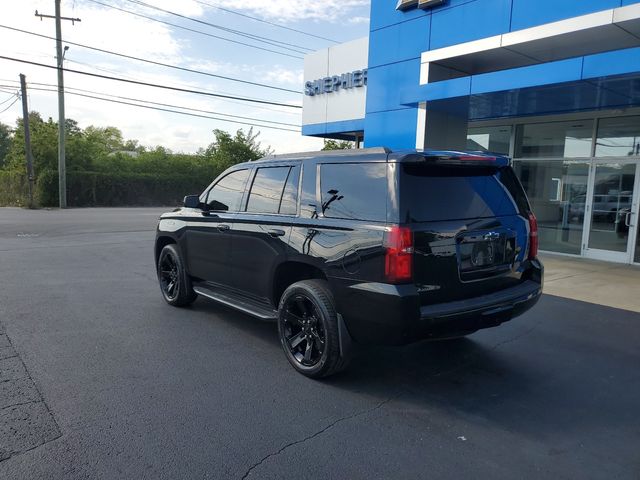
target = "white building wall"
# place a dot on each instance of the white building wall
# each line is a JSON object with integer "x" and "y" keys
{"x": 344, "y": 104}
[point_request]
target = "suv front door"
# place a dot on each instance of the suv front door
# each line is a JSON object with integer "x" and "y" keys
{"x": 208, "y": 237}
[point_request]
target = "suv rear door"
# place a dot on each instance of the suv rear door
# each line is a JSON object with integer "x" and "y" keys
{"x": 262, "y": 228}
{"x": 470, "y": 224}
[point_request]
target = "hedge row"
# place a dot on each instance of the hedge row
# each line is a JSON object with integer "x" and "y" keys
{"x": 14, "y": 189}
{"x": 98, "y": 189}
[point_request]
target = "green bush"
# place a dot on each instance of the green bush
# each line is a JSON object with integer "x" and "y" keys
{"x": 14, "y": 188}
{"x": 99, "y": 189}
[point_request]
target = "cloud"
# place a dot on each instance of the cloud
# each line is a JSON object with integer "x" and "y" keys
{"x": 113, "y": 30}
{"x": 295, "y": 10}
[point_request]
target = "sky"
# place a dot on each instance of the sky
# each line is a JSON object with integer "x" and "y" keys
{"x": 105, "y": 27}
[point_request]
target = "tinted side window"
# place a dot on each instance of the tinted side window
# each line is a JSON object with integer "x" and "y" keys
{"x": 266, "y": 190}
{"x": 226, "y": 195}
{"x": 289, "y": 203}
{"x": 354, "y": 190}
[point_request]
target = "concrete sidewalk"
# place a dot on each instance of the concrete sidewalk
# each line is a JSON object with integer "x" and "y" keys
{"x": 601, "y": 283}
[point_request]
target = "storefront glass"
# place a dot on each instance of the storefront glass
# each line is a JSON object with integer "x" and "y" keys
{"x": 557, "y": 192}
{"x": 612, "y": 206}
{"x": 618, "y": 137}
{"x": 489, "y": 139}
{"x": 554, "y": 140}
{"x": 636, "y": 257}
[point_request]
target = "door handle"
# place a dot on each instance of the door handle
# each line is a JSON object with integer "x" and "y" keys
{"x": 627, "y": 219}
{"x": 223, "y": 227}
{"x": 276, "y": 232}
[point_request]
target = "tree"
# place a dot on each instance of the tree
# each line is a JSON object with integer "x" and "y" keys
{"x": 5, "y": 142}
{"x": 337, "y": 145}
{"x": 228, "y": 150}
{"x": 106, "y": 139}
{"x": 44, "y": 144}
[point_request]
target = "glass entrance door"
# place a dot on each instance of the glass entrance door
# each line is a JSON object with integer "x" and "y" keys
{"x": 612, "y": 211}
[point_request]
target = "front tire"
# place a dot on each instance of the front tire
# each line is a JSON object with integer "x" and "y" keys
{"x": 308, "y": 329}
{"x": 175, "y": 284}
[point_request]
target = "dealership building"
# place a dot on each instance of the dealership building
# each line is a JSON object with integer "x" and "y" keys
{"x": 555, "y": 84}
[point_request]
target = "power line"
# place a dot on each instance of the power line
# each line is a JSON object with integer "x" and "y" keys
{"x": 13, "y": 94}
{"x": 11, "y": 105}
{"x": 153, "y": 62}
{"x": 148, "y": 84}
{"x": 162, "y": 104}
{"x": 253, "y": 106}
{"x": 194, "y": 30}
{"x": 170, "y": 110}
{"x": 269, "y": 41}
{"x": 235, "y": 12}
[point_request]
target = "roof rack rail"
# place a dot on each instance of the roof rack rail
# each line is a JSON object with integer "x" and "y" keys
{"x": 333, "y": 153}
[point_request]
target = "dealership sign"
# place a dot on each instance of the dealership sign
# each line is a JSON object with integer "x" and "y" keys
{"x": 345, "y": 81}
{"x": 407, "y": 4}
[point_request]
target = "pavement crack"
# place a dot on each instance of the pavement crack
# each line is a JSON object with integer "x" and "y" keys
{"x": 20, "y": 404}
{"x": 316, "y": 434}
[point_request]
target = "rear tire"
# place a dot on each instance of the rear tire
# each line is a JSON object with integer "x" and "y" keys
{"x": 175, "y": 284}
{"x": 309, "y": 331}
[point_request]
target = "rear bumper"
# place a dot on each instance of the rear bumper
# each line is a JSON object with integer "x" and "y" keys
{"x": 466, "y": 316}
{"x": 383, "y": 314}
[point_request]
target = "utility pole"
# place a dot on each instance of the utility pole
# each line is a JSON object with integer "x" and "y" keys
{"x": 62, "y": 169}
{"x": 27, "y": 137}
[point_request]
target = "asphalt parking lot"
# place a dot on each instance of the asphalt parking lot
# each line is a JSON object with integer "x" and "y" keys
{"x": 99, "y": 378}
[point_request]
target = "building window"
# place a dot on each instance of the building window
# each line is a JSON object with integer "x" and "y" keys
{"x": 489, "y": 139}
{"x": 618, "y": 137}
{"x": 557, "y": 191}
{"x": 554, "y": 140}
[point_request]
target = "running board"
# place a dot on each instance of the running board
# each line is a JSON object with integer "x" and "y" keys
{"x": 262, "y": 312}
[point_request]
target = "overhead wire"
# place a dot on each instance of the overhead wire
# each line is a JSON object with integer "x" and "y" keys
{"x": 12, "y": 104}
{"x": 149, "y": 84}
{"x": 12, "y": 95}
{"x": 269, "y": 41}
{"x": 253, "y": 124}
{"x": 194, "y": 30}
{"x": 281, "y": 111}
{"x": 153, "y": 62}
{"x": 243, "y": 117}
{"x": 235, "y": 12}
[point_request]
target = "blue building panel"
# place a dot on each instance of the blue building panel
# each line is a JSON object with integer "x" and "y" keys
{"x": 605, "y": 81}
{"x": 399, "y": 42}
{"x": 384, "y": 14}
{"x": 619, "y": 62}
{"x": 469, "y": 21}
{"x": 386, "y": 84}
{"x": 530, "y": 14}
{"x": 321, "y": 129}
{"x": 523, "y": 77}
{"x": 458, "y": 87}
{"x": 394, "y": 129}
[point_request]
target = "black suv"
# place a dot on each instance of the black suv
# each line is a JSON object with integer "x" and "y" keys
{"x": 371, "y": 246}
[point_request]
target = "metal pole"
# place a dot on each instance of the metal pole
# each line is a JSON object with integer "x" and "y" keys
{"x": 27, "y": 137}
{"x": 62, "y": 170}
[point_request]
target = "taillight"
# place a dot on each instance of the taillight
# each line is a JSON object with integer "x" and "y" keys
{"x": 398, "y": 260}
{"x": 533, "y": 236}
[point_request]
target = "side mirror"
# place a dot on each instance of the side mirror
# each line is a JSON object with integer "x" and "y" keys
{"x": 218, "y": 206}
{"x": 192, "y": 201}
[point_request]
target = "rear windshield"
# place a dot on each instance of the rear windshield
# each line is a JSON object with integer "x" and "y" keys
{"x": 438, "y": 193}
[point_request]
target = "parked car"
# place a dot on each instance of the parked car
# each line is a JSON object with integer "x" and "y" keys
{"x": 368, "y": 246}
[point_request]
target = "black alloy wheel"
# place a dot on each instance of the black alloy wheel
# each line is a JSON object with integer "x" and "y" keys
{"x": 308, "y": 327}
{"x": 303, "y": 330}
{"x": 174, "y": 281}
{"x": 169, "y": 276}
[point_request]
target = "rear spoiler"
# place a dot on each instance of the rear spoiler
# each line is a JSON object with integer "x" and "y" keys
{"x": 465, "y": 158}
